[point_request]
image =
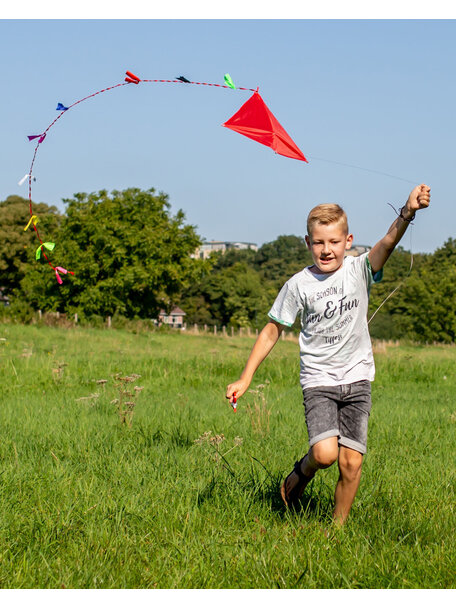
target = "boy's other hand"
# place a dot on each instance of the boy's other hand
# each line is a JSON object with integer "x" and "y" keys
{"x": 419, "y": 198}
{"x": 239, "y": 387}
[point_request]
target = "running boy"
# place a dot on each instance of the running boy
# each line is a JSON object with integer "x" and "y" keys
{"x": 337, "y": 364}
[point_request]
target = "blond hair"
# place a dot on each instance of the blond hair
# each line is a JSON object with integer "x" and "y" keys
{"x": 328, "y": 213}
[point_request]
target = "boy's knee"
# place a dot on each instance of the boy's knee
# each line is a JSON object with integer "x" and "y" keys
{"x": 324, "y": 455}
{"x": 350, "y": 463}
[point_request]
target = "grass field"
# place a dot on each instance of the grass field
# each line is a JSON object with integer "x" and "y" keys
{"x": 185, "y": 494}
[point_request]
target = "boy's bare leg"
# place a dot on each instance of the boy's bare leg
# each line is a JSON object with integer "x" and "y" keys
{"x": 321, "y": 456}
{"x": 350, "y": 463}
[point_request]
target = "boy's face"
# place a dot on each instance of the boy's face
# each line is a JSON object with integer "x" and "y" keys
{"x": 327, "y": 244}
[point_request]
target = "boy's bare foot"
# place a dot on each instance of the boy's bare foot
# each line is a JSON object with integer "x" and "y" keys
{"x": 294, "y": 485}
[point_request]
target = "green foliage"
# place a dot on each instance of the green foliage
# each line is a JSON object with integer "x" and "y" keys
{"x": 424, "y": 308}
{"x": 128, "y": 253}
{"x": 431, "y": 296}
{"x": 417, "y": 298}
{"x": 17, "y": 247}
{"x": 130, "y": 257}
{"x": 18, "y": 311}
{"x": 233, "y": 295}
{"x": 393, "y": 320}
{"x": 278, "y": 260}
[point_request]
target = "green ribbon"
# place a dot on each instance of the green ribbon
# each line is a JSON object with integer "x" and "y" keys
{"x": 229, "y": 81}
{"x": 49, "y": 246}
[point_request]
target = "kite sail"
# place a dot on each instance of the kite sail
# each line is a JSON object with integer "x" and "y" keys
{"x": 255, "y": 120}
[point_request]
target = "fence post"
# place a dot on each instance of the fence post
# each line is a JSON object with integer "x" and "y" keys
{"x": 224, "y": 330}
{"x": 205, "y": 327}
{"x": 40, "y": 314}
{"x": 75, "y": 318}
{"x": 109, "y": 322}
{"x": 232, "y": 331}
{"x": 195, "y": 327}
{"x": 215, "y": 330}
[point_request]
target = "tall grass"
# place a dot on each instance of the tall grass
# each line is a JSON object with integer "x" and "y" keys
{"x": 186, "y": 495}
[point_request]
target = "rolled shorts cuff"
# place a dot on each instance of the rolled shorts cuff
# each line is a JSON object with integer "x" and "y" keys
{"x": 353, "y": 445}
{"x": 325, "y": 435}
{"x": 342, "y": 441}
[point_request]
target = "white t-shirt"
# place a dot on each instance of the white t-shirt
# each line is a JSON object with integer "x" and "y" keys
{"x": 334, "y": 341}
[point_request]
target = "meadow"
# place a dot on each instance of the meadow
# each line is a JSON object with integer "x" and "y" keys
{"x": 123, "y": 466}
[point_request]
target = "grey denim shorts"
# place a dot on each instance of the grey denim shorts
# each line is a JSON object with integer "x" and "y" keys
{"x": 339, "y": 411}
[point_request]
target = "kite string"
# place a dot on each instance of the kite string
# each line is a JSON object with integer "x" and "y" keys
{"x": 404, "y": 279}
{"x": 335, "y": 162}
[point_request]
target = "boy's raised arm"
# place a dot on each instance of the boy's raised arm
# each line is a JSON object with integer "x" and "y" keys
{"x": 419, "y": 198}
{"x": 261, "y": 349}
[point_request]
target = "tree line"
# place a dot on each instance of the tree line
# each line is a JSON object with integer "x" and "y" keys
{"x": 132, "y": 257}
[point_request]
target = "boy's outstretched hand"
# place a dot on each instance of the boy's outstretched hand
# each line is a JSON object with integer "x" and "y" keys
{"x": 239, "y": 388}
{"x": 262, "y": 347}
{"x": 419, "y": 198}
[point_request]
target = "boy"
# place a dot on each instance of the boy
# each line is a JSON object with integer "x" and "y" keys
{"x": 337, "y": 364}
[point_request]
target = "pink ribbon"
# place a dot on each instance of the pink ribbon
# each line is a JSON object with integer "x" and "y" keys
{"x": 57, "y": 276}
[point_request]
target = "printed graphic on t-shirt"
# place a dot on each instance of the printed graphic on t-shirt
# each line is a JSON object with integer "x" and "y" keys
{"x": 328, "y": 313}
{"x": 334, "y": 340}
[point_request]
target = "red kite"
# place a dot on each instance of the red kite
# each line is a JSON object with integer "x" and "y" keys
{"x": 255, "y": 120}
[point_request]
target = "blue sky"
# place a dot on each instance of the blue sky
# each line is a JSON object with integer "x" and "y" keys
{"x": 377, "y": 94}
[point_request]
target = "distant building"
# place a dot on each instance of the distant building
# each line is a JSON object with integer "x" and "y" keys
{"x": 357, "y": 250}
{"x": 174, "y": 319}
{"x": 208, "y": 247}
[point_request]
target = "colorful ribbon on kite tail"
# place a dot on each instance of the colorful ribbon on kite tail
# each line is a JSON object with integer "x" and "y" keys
{"x": 129, "y": 79}
{"x": 50, "y": 247}
{"x": 57, "y": 269}
{"x": 33, "y": 218}
{"x": 63, "y": 270}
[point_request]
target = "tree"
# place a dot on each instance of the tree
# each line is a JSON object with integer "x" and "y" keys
{"x": 280, "y": 259}
{"x": 393, "y": 319}
{"x": 423, "y": 309}
{"x": 232, "y": 295}
{"x": 17, "y": 247}
{"x": 128, "y": 253}
{"x": 431, "y": 297}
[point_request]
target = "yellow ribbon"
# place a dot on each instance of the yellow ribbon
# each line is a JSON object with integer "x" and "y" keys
{"x": 33, "y": 219}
